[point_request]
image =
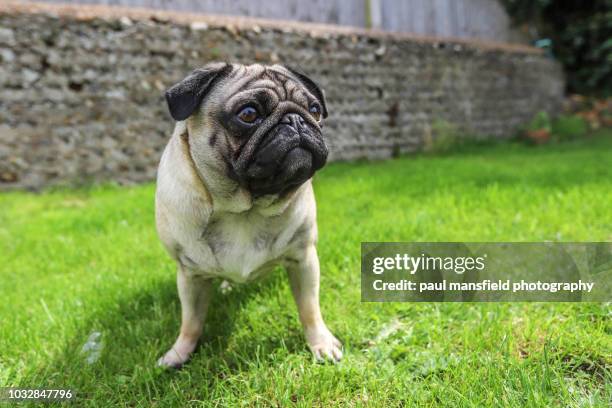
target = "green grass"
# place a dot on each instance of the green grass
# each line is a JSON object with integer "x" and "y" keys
{"x": 73, "y": 262}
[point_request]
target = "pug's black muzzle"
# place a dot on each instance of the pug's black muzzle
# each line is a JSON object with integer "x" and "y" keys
{"x": 284, "y": 158}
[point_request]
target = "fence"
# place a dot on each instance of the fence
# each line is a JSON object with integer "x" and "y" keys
{"x": 484, "y": 19}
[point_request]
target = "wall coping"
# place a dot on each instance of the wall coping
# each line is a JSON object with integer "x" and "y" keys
{"x": 236, "y": 23}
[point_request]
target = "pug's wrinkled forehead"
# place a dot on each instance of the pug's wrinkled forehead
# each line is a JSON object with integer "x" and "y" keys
{"x": 230, "y": 84}
{"x": 266, "y": 86}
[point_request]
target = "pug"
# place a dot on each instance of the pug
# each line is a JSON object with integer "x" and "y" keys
{"x": 234, "y": 196}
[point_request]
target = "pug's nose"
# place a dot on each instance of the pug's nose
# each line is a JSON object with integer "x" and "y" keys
{"x": 293, "y": 119}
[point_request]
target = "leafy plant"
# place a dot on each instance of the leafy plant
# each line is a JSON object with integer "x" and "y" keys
{"x": 569, "y": 127}
{"x": 541, "y": 121}
{"x": 580, "y": 33}
{"x": 539, "y": 128}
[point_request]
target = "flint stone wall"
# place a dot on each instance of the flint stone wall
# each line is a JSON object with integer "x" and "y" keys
{"x": 81, "y": 88}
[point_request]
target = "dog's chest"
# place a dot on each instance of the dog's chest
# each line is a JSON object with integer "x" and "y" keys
{"x": 247, "y": 245}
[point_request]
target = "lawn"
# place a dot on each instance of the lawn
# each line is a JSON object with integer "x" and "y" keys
{"x": 77, "y": 262}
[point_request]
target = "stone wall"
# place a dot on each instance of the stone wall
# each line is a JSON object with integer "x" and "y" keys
{"x": 81, "y": 88}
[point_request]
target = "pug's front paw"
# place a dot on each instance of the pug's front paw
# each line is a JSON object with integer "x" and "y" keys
{"x": 178, "y": 355}
{"x": 172, "y": 359}
{"x": 324, "y": 346}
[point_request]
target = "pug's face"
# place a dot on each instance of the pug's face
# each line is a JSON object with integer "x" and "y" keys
{"x": 262, "y": 124}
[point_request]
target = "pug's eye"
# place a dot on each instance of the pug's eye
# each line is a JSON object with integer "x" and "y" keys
{"x": 248, "y": 114}
{"x": 315, "y": 111}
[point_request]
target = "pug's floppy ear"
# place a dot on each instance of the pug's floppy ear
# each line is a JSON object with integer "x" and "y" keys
{"x": 312, "y": 87}
{"x": 184, "y": 97}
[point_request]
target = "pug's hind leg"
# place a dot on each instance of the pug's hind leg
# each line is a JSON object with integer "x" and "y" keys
{"x": 194, "y": 293}
{"x": 304, "y": 281}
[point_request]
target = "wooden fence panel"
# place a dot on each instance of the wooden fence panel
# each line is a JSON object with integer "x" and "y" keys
{"x": 485, "y": 19}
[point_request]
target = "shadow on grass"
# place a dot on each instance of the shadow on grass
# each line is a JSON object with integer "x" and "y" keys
{"x": 138, "y": 329}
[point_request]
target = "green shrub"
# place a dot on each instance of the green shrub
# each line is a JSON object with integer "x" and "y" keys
{"x": 569, "y": 127}
{"x": 541, "y": 121}
{"x": 580, "y": 34}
